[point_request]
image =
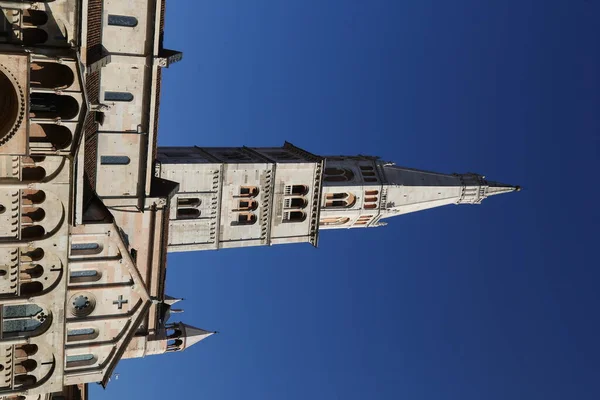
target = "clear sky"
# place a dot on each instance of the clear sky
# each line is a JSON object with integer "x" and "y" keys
{"x": 497, "y": 301}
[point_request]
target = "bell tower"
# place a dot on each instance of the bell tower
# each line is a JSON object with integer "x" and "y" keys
{"x": 361, "y": 191}
{"x": 241, "y": 196}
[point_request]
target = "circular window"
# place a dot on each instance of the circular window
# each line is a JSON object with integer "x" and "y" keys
{"x": 11, "y": 110}
{"x": 2, "y": 209}
{"x": 82, "y": 304}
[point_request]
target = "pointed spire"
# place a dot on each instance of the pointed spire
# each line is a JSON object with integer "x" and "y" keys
{"x": 499, "y": 188}
{"x": 192, "y": 335}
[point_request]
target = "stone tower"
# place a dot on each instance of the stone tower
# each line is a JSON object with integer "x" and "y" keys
{"x": 237, "y": 197}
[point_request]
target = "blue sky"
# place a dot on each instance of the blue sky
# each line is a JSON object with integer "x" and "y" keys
{"x": 497, "y": 301}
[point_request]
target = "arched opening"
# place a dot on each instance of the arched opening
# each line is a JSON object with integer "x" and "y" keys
{"x": 174, "y": 344}
{"x": 339, "y": 200}
{"x": 370, "y": 206}
{"x": 9, "y": 105}
{"x": 371, "y": 192}
{"x": 33, "y": 232}
{"x": 34, "y": 18}
{"x": 173, "y": 333}
{"x": 28, "y": 365}
{"x": 32, "y": 196}
{"x": 299, "y": 190}
{"x": 188, "y": 202}
{"x": 294, "y": 216}
{"x": 246, "y": 218}
{"x": 295, "y": 202}
{"x": 248, "y": 191}
{"x": 249, "y": 205}
{"x": 31, "y": 288}
{"x": 32, "y": 255}
{"x": 25, "y": 380}
{"x": 33, "y": 272}
{"x": 59, "y": 136}
{"x": 52, "y": 106}
{"x": 25, "y": 350}
{"x": 334, "y": 221}
{"x": 50, "y": 75}
{"x": 33, "y": 174}
{"x": 338, "y": 175}
{"x": 32, "y": 214}
{"x": 188, "y": 213}
{"x": 33, "y": 36}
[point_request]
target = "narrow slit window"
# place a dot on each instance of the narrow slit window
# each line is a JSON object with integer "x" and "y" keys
{"x": 80, "y": 360}
{"x": 118, "y": 96}
{"x": 89, "y": 275}
{"x": 84, "y": 249}
{"x": 122, "y": 20}
{"x": 188, "y": 202}
{"x": 188, "y": 213}
{"x": 114, "y": 160}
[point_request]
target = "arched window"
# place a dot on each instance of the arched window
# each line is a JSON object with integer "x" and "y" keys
{"x": 52, "y": 106}
{"x": 32, "y": 232}
{"x": 343, "y": 200}
{"x": 85, "y": 249}
{"x": 246, "y": 218}
{"x": 294, "y": 216}
{"x": 118, "y": 96}
{"x": 33, "y": 174}
{"x": 80, "y": 360}
{"x": 33, "y": 36}
{"x": 248, "y": 191}
{"x": 32, "y": 196}
{"x": 363, "y": 220}
{"x": 249, "y": 205}
{"x": 338, "y": 175}
{"x": 50, "y": 75}
{"x": 295, "y": 202}
{"x": 298, "y": 190}
{"x": 334, "y": 221}
{"x": 370, "y": 206}
{"x": 188, "y": 213}
{"x": 88, "y": 275}
{"x": 79, "y": 334}
{"x": 188, "y": 202}
{"x": 22, "y": 319}
{"x": 371, "y": 192}
{"x": 34, "y": 18}
{"x": 114, "y": 160}
{"x": 122, "y": 20}
{"x": 58, "y": 136}
{"x": 32, "y": 214}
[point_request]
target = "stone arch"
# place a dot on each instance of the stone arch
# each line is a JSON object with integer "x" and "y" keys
{"x": 33, "y": 36}
{"x": 34, "y": 18}
{"x": 50, "y": 75}
{"x": 59, "y": 136}
{"x": 30, "y": 215}
{"x": 33, "y": 174}
{"x": 52, "y": 106}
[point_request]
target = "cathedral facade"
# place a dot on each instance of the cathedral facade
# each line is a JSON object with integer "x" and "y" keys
{"x": 90, "y": 205}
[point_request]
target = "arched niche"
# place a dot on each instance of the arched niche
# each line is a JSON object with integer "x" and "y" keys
{"x": 52, "y": 106}
{"x": 34, "y": 18}
{"x": 58, "y": 136}
{"x": 50, "y": 75}
{"x": 33, "y": 36}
